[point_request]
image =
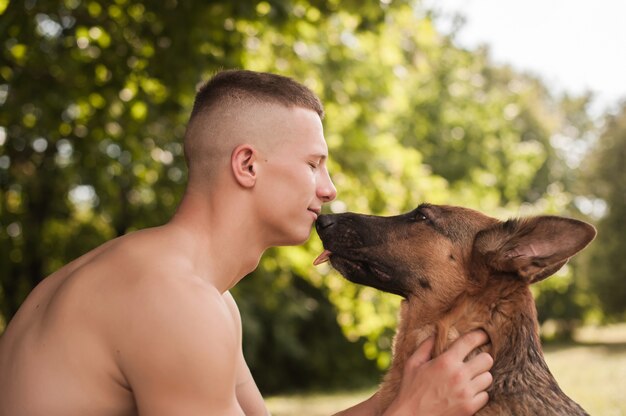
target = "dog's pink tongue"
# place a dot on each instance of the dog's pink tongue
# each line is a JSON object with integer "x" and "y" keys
{"x": 322, "y": 258}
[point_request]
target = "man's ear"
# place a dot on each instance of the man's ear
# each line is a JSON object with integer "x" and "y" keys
{"x": 244, "y": 165}
{"x": 532, "y": 248}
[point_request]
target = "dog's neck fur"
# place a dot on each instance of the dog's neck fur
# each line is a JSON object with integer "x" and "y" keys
{"x": 510, "y": 321}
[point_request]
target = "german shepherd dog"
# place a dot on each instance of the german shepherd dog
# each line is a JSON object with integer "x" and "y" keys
{"x": 459, "y": 270}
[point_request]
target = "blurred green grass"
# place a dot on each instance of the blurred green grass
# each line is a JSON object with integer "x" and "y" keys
{"x": 591, "y": 370}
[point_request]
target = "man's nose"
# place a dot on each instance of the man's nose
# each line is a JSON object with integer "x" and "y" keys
{"x": 326, "y": 190}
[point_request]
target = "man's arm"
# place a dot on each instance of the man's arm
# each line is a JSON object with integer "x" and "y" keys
{"x": 446, "y": 385}
{"x": 248, "y": 394}
{"x": 365, "y": 408}
{"x": 179, "y": 352}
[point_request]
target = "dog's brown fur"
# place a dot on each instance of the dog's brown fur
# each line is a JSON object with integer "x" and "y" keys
{"x": 460, "y": 270}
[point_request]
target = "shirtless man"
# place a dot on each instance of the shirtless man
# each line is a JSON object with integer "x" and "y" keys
{"x": 145, "y": 324}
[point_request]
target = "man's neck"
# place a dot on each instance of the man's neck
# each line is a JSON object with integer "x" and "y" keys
{"x": 221, "y": 237}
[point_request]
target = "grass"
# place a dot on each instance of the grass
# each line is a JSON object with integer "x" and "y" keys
{"x": 592, "y": 371}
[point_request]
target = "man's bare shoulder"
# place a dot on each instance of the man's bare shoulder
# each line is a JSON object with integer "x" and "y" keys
{"x": 180, "y": 304}
{"x": 178, "y": 339}
{"x": 159, "y": 284}
{"x": 142, "y": 288}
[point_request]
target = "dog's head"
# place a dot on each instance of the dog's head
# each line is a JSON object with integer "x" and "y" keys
{"x": 437, "y": 252}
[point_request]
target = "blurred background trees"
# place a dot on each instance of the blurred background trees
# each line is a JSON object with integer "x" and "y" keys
{"x": 94, "y": 97}
{"x": 606, "y": 182}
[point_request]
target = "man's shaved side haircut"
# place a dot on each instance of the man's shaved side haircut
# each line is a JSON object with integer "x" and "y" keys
{"x": 222, "y": 107}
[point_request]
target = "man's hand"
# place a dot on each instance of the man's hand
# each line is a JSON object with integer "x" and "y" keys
{"x": 445, "y": 385}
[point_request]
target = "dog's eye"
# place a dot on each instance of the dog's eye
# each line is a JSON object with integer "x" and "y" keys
{"x": 419, "y": 216}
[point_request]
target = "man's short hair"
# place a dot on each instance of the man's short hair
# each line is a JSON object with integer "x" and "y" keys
{"x": 224, "y": 101}
{"x": 261, "y": 87}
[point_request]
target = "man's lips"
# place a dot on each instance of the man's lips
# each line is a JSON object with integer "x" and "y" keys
{"x": 322, "y": 258}
{"x": 316, "y": 212}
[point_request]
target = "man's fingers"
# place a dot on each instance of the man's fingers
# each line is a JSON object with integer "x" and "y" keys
{"x": 423, "y": 353}
{"x": 468, "y": 342}
{"x": 480, "y": 400}
{"x": 482, "y": 381}
{"x": 479, "y": 364}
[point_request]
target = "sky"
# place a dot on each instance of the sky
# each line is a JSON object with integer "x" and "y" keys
{"x": 573, "y": 45}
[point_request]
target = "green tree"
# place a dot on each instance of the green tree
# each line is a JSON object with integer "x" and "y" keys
{"x": 606, "y": 182}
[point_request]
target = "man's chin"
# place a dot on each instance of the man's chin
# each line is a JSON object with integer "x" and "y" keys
{"x": 296, "y": 236}
{"x": 289, "y": 240}
{"x": 297, "y": 241}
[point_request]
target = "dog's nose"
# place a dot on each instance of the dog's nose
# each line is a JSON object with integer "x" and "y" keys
{"x": 324, "y": 221}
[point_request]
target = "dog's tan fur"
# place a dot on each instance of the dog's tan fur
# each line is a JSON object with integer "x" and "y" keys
{"x": 460, "y": 270}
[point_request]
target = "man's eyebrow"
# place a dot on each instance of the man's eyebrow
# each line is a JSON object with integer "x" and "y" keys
{"x": 322, "y": 156}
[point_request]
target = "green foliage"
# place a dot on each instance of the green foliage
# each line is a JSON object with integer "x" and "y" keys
{"x": 560, "y": 305}
{"x": 606, "y": 181}
{"x": 95, "y": 96}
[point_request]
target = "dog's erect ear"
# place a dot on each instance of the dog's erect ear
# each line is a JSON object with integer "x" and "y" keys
{"x": 533, "y": 248}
